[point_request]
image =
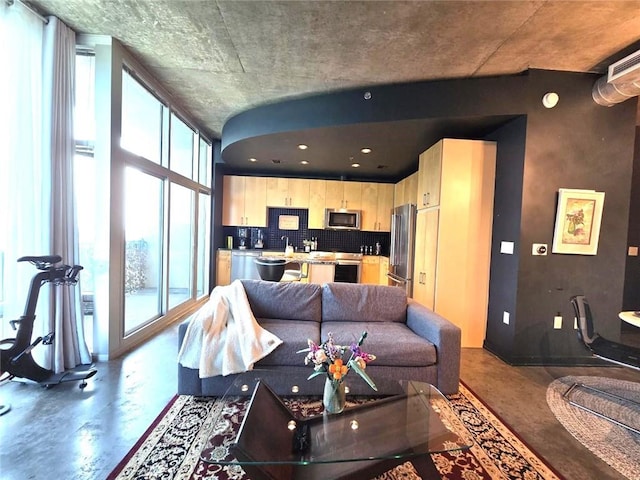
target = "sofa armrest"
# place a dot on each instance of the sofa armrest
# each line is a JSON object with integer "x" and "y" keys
{"x": 445, "y": 336}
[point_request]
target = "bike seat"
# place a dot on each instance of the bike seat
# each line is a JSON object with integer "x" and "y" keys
{"x": 41, "y": 260}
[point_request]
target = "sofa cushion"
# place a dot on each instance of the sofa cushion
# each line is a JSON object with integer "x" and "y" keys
{"x": 294, "y": 335}
{"x": 363, "y": 303}
{"x": 285, "y": 300}
{"x": 393, "y": 344}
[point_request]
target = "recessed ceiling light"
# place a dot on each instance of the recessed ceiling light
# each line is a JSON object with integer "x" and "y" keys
{"x": 366, "y": 150}
{"x": 252, "y": 159}
{"x": 355, "y": 165}
{"x": 302, "y": 146}
{"x": 304, "y": 162}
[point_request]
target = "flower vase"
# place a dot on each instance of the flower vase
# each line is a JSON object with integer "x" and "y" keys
{"x": 334, "y": 398}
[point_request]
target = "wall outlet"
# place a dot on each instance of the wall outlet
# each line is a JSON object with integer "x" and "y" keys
{"x": 539, "y": 249}
{"x": 505, "y": 318}
{"x": 557, "y": 322}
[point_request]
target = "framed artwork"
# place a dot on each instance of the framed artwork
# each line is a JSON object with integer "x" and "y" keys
{"x": 578, "y": 218}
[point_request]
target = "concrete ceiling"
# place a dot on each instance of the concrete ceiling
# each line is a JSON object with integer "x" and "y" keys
{"x": 218, "y": 58}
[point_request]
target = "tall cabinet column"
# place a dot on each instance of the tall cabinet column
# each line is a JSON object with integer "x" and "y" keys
{"x": 453, "y": 235}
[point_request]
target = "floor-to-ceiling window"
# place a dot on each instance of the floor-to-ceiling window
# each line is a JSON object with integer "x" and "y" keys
{"x": 84, "y": 171}
{"x": 166, "y": 199}
{"x": 144, "y": 221}
{"x": 165, "y": 195}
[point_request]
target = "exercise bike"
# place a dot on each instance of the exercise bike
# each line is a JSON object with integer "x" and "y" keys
{"x": 16, "y": 360}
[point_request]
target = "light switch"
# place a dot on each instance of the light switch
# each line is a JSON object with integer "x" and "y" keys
{"x": 506, "y": 247}
{"x": 633, "y": 251}
{"x": 505, "y": 318}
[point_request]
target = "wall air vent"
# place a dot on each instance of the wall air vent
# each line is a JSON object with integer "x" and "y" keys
{"x": 626, "y": 70}
{"x": 275, "y": 161}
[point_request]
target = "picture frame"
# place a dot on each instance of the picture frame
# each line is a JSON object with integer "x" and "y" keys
{"x": 578, "y": 219}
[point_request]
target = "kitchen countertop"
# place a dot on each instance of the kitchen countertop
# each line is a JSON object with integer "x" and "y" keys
{"x": 305, "y": 257}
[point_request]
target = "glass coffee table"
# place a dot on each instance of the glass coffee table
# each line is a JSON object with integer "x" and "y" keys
{"x": 408, "y": 421}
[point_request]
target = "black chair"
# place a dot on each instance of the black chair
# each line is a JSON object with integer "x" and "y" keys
{"x": 618, "y": 353}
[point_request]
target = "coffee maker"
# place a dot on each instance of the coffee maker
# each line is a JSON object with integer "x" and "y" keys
{"x": 243, "y": 235}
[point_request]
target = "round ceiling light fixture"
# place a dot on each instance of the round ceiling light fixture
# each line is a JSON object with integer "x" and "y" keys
{"x": 550, "y": 99}
{"x": 302, "y": 146}
{"x": 253, "y": 159}
{"x": 365, "y": 150}
{"x": 304, "y": 162}
{"x": 355, "y": 165}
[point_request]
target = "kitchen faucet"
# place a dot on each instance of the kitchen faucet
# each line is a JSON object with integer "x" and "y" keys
{"x": 288, "y": 249}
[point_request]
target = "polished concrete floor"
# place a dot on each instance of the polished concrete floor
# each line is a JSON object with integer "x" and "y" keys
{"x": 65, "y": 433}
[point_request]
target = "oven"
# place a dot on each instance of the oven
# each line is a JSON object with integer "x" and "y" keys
{"x": 348, "y": 267}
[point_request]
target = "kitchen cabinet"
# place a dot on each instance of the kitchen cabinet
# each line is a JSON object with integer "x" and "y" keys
{"x": 377, "y": 202}
{"x": 320, "y": 273}
{"x": 288, "y": 192}
{"x": 244, "y": 201}
{"x": 317, "y": 195}
{"x": 370, "y": 272}
{"x": 453, "y": 235}
{"x": 347, "y": 195}
{"x": 424, "y": 269}
{"x": 406, "y": 190}
{"x": 382, "y": 273}
{"x": 429, "y": 175}
{"x": 223, "y": 267}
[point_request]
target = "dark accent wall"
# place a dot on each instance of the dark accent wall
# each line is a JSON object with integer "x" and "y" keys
{"x": 217, "y": 234}
{"x": 631, "y": 300}
{"x": 507, "y": 208}
{"x": 577, "y": 144}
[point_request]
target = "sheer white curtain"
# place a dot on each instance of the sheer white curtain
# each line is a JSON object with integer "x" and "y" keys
{"x": 36, "y": 178}
{"x": 70, "y": 348}
{"x": 24, "y": 202}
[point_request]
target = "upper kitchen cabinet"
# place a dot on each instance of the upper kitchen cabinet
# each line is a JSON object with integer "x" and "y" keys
{"x": 429, "y": 173}
{"x": 406, "y": 190}
{"x": 377, "y": 201}
{"x": 347, "y": 195}
{"x": 244, "y": 201}
{"x": 317, "y": 195}
{"x": 288, "y": 192}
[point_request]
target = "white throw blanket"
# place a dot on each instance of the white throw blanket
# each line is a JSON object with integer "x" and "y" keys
{"x": 223, "y": 337}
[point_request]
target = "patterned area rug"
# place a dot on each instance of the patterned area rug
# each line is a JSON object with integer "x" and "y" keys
{"x": 615, "y": 445}
{"x": 170, "y": 449}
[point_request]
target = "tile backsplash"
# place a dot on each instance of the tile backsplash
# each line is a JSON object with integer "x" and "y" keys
{"x": 329, "y": 240}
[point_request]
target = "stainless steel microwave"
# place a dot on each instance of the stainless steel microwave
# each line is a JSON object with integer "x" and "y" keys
{"x": 342, "y": 219}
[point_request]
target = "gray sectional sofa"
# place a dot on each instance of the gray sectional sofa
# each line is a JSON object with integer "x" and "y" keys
{"x": 410, "y": 341}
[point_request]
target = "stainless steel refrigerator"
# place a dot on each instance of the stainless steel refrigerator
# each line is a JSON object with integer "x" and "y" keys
{"x": 403, "y": 229}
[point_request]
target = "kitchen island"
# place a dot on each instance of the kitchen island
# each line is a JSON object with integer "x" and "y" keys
{"x": 314, "y": 267}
